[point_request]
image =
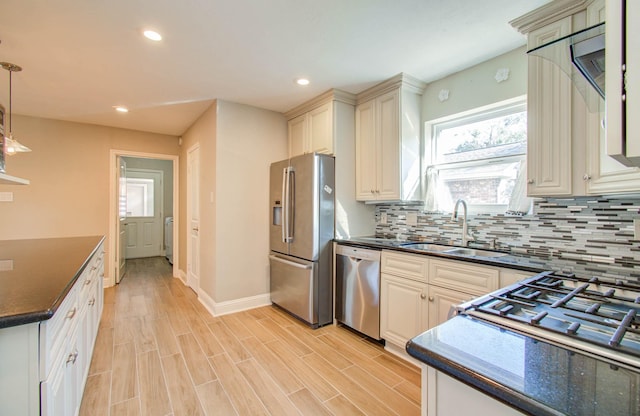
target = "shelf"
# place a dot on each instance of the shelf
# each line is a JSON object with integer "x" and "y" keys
{"x": 12, "y": 180}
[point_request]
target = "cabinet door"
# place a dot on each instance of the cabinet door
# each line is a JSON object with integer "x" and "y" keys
{"x": 403, "y": 309}
{"x": 366, "y": 151}
{"x": 604, "y": 175}
{"x": 441, "y": 301}
{"x": 320, "y": 129}
{"x": 59, "y": 392}
{"x": 549, "y": 118}
{"x": 298, "y": 136}
{"x": 388, "y": 147}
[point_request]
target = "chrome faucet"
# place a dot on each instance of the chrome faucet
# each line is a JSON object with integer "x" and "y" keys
{"x": 466, "y": 237}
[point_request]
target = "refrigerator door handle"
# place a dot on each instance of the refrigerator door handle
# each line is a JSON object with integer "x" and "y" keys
{"x": 288, "y": 186}
{"x": 285, "y": 204}
{"x": 290, "y": 263}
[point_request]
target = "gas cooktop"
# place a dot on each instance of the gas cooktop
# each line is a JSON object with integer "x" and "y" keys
{"x": 596, "y": 316}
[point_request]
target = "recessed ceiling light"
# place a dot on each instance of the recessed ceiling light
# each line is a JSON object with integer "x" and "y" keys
{"x": 153, "y": 35}
{"x": 302, "y": 81}
{"x": 121, "y": 109}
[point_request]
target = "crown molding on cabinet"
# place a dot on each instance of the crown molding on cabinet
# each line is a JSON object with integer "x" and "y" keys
{"x": 406, "y": 81}
{"x": 331, "y": 95}
{"x": 549, "y": 13}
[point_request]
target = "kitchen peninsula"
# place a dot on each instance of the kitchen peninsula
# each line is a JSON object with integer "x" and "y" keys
{"x": 51, "y": 297}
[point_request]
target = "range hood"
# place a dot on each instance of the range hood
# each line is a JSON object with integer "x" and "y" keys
{"x": 581, "y": 56}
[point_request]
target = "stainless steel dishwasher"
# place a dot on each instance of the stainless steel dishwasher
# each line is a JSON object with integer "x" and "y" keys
{"x": 358, "y": 289}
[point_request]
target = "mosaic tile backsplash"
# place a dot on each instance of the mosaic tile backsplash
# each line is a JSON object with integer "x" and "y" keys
{"x": 586, "y": 235}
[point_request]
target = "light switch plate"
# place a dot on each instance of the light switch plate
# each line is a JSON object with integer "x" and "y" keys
{"x": 6, "y": 196}
{"x": 383, "y": 218}
{"x": 412, "y": 218}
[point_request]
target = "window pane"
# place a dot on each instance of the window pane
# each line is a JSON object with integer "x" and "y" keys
{"x": 501, "y": 136}
{"x": 139, "y": 197}
{"x": 486, "y": 184}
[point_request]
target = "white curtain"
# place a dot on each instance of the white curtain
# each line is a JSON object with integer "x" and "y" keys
{"x": 437, "y": 198}
{"x": 520, "y": 203}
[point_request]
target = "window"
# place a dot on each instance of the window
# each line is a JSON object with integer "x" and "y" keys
{"x": 478, "y": 156}
{"x": 139, "y": 197}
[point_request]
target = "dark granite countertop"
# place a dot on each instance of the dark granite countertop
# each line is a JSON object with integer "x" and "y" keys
{"x": 37, "y": 274}
{"x": 530, "y": 375}
{"x": 523, "y": 262}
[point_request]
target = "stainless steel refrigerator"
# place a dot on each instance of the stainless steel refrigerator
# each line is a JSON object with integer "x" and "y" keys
{"x": 301, "y": 231}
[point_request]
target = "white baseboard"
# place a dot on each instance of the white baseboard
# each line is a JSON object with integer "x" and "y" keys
{"x": 232, "y": 306}
{"x": 182, "y": 276}
{"x": 401, "y": 353}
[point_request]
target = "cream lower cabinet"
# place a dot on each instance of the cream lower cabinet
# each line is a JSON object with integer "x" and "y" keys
{"x": 403, "y": 297}
{"x": 45, "y": 365}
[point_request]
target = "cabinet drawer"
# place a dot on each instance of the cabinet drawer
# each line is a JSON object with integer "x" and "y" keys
{"x": 410, "y": 266}
{"x": 54, "y": 332}
{"x": 476, "y": 280}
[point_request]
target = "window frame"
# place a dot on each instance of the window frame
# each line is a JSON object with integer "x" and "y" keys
{"x": 433, "y": 127}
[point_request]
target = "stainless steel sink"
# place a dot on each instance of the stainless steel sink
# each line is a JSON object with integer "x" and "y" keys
{"x": 475, "y": 253}
{"x": 426, "y": 246}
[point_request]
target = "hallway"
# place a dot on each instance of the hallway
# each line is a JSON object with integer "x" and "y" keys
{"x": 159, "y": 352}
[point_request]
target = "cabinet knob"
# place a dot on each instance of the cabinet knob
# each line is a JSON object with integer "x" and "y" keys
{"x": 92, "y": 302}
{"x": 430, "y": 298}
{"x": 531, "y": 181}
{"x": 71, "y": 313}
{"x": 423, "y": 296}
{"x": 586, "y": 177}
{"x": 373, "y": 192}
{"x": 87, "y": 282}
{"x": 71, "y": 359}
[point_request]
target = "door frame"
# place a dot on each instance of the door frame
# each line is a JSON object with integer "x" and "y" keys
{"x": 110, "y": 266}
{"x": 158, "y": 198}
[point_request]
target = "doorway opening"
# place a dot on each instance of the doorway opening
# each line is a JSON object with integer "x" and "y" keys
{"x": 143, "y": 207}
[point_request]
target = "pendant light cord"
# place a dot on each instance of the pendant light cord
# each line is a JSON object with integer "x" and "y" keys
{"x": 10, "y": 112}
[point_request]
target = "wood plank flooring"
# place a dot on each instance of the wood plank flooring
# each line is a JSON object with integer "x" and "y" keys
{"x": 159, "y": 352}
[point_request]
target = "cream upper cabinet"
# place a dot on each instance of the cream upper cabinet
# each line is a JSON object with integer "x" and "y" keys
{"x": 569, "y": 144}
{"x": 549, "y": 167}
{"x": 312, "y": 131}
{"x": 604, "y": 174}
{"x": 388, "y": 163}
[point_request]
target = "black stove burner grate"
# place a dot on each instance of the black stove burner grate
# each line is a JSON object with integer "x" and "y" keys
{"x": 600, "y": 312}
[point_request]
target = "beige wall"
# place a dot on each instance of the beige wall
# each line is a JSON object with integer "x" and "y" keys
{"x": 476, "y": 86}
{"x": 203, "y": 134}
{"x": 237, "y": 145}
{"x": 249, "y": 139}
{"x": 69, "y": 173}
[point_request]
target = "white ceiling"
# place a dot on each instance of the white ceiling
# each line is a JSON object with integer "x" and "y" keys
{"x": 82, "y": 57}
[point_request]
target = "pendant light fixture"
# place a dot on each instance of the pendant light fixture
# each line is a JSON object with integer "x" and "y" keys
{"x": 11, "y": 145}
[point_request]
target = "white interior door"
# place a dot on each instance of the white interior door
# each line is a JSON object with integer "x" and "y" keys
{"x": 144, "y": 223}
{"x": 193, "y": 213}
{"x": 121, "y": 180}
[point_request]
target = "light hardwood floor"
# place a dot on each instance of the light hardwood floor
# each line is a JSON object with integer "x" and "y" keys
{"x": 159, "y": 352}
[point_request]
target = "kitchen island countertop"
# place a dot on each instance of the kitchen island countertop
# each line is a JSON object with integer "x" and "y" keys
{"x": 530, "y": 375}
{"x": 37, "y": 274}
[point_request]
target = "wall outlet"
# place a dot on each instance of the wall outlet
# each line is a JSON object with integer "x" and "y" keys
{"x": 636, "y": 229}
{"x": 412, "y": 218}
{"x": 383, "y": 218}
{"x": 6, "y": 196}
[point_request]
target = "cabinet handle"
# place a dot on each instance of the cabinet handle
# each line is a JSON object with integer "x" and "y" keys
{"x": 373, "y": 192}
{"x": 586, "y": 177}
{"x": 87, "y": 282}
{"x": 71, "y": 359}
{"x": 423, "y": 296}
{"x": 72, "y": 313}
{"x": 93, "y": 268}
{"x": 531, "y": 181}
{"x": 92, "y": 302}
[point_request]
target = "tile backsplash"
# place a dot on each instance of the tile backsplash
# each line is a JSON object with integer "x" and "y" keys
{"x": 586, "y": 235}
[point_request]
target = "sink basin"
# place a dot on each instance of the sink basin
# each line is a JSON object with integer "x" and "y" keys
{"x": 475, "y": 253}
{"x": 426, "y": 246}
